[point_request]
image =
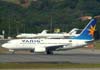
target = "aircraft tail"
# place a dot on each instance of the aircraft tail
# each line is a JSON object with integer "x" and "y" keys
{"x": 88, "y": 32}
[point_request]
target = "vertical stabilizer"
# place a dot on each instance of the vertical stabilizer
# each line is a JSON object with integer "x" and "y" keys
{"x": 88, "y": 31}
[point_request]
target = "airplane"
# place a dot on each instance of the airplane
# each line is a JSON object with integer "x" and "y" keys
{"x": 44, "y": 34}
{"x": 71, "y": 33}
{"x": 30, "y": 35}
{"x": 47, "y": 46}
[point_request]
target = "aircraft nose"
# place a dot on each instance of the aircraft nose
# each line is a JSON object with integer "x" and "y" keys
{"x": 4, "y": 45}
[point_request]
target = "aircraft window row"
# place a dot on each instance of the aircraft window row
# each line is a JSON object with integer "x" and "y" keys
{"x": 42, "y": 43}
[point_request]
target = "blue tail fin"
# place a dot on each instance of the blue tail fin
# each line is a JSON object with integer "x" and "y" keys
{"x": 88, "y": 31}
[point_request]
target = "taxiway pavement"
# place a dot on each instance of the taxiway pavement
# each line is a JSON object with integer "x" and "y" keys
{"x": 71, "y": 56}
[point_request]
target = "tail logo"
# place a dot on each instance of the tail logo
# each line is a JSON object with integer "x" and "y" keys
{"x": 92, "y": 30}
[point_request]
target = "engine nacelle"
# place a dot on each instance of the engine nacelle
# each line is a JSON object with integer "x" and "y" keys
{"x": 39, "y": 49}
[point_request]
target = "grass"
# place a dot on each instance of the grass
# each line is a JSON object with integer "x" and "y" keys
{"x": 2, "y": 50}
{"x": 97, "y": 44}
{"x": 45, "y": 65}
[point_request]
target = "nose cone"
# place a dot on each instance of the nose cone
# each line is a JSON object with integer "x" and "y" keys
{"x": 4, "y": 45}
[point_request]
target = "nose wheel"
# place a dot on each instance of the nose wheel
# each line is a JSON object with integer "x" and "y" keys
{"x": 12, "y": 51}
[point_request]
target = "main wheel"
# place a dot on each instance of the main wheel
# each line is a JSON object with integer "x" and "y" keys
{"x": 32, "y": 51}
{"x": 49, "y": 52}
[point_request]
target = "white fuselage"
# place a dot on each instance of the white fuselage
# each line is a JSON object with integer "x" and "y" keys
{"x": 48, "y": 35}
{"x": 26, "y": 35}
{"x": 40, "y": 45}
{"x": 44, "y": 34}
